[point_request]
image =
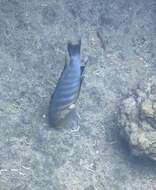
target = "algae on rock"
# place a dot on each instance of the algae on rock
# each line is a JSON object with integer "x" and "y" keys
{"x": 137, "y": 119}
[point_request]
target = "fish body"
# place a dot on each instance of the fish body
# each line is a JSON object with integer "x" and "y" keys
{"x": 67, "y": 89}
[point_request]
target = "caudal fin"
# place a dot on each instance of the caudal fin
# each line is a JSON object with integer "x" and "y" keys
{"x": 74, "y": 49}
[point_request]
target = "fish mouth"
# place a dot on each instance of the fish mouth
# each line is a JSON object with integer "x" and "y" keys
{"x": 59, "y": 118}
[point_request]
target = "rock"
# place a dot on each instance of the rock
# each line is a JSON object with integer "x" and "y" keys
{"x": 137, "y": 120}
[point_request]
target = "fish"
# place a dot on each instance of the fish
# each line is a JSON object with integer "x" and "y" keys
{"x": 67, "y": 90}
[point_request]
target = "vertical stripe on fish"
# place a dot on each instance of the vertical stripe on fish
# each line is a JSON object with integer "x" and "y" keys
{"x": 67, "y": 88}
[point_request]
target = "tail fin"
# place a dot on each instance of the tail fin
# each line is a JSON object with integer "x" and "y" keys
{"x": 74, "y": 49}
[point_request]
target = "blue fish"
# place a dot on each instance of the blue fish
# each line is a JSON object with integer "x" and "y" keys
{"x": 67, "y": 90}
